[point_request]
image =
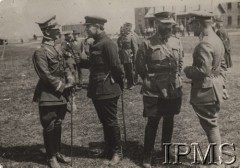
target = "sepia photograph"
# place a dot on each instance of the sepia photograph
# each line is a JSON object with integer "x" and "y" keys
{"x": 119, "y": 83}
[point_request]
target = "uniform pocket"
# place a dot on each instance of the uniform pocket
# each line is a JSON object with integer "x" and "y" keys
{"x": 53, "y": 62}
{"x": 104, "y": 87}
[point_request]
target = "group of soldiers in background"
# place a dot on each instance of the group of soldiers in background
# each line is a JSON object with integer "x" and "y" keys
{"x": 158, "y": 61}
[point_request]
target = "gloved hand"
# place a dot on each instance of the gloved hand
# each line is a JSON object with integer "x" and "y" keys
{"x": 187, "y": 71}
{"x": 225, "y": 94}
{"x": 67, "y": 90}
{"x": 121, "y": 84}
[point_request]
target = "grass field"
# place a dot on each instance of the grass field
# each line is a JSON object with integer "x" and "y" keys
{"x": 21, "y": 143}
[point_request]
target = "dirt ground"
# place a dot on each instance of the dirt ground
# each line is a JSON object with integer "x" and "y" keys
{"x": 21, "y": 143}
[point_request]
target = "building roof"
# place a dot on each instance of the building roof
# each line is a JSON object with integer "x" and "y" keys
{"x": 186, "y": 10}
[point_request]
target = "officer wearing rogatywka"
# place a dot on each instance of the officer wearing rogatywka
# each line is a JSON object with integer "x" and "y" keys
{"x": 207, "y": 74}
{"x": 105, "y": 84}
{"x": 128, "y": 46}
{"x": 54, "y": 80}
{"x": 158, "y": 65}
{"x": 71, "y": 53}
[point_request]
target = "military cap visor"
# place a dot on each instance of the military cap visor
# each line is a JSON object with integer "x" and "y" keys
{"x": 48, "y": 23}
{"x": 165, "y": 17}
{"x": 89, "y": 20}
{"x": 205, "y": 17}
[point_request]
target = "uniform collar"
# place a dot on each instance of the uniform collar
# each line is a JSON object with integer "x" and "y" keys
{"x": 203, "y": 34}
{"x": 159, "y": 38}
{"x": 100, "y": 36}
{"x": 48, "y": 41}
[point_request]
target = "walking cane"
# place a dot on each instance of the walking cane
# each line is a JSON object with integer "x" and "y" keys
{"x": 124, "y": 125}
{"x": 73, "y": 109}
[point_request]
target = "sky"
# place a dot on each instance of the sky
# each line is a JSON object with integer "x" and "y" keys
{"x": 18, "y": 17}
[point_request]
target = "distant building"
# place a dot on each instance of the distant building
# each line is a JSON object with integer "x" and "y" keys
{"x": 182, "y": 14}
{"x": 80, "y": 28}
{"x": 140, "y": 22}
{"x": 232, "y": 17}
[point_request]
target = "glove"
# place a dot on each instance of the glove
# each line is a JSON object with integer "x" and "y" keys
{"x": 67, "y": 91}
{"x": 187, "y": 71}
{"x": 225, "y": 94}
{"x": 121, "y": 83}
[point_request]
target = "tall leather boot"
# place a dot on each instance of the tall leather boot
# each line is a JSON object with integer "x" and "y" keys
{"x": 167, "y": 131}
{"x": 60, "y": 157}
{"x": 149, "y": 141}
{"x": 106, "y": 153}
{"x": 49, "y": 144}
{"x": 116, "y": 147}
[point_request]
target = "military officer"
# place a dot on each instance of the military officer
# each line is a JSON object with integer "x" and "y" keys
{"x": 50, "y": 90}
{"x": 71, "y": 53}
{"x": 207, "y": 74}
{"x": 105, "y": 84}
{"x": 79, "y": 48}
{"x": 127, "y": 52}
{"x": 176, "y": 34}
{"x": 137, "y": 43}
{"x": 158, "y": 65}
{"x": 223, "y": 35}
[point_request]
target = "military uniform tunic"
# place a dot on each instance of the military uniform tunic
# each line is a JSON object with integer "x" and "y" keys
{"x": 51, "y": 69}
{"x": 159, "y": 64}
{"x": 105, "y": 69}
{"x": 207, "y": 71}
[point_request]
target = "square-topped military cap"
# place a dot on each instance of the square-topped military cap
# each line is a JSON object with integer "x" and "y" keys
{"x": 165, "y": 17}
{"x": 201, "y": 16}
{"x": 94, "y": 20}
{"x": 48, "y": 22}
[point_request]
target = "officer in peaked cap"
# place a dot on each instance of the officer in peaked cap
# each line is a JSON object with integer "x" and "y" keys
{"x": 50, "y": 93}
{"x": 71, "y": 53}
{"x": 223, "y": 35}
{"x": 176, "y": 33}
{"x": 79, "y": 48}
{"x": 207, "y": 75}
{"x": 136, "y": 43}
{"x": 105, "y": 84}
{"x": 158, "y": 65}
{"x": 127, "y": 44}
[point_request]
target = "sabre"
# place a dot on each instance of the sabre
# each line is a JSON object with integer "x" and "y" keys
{"x": 73, "y": 109}
{"x": 123, "y": 114}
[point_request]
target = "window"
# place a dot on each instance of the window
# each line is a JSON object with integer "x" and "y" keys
{"x": 238, "y": 20}
{"x": 229, "y": 5}
{"x": 229, "y": 20}
{"x": 238, "y": 4}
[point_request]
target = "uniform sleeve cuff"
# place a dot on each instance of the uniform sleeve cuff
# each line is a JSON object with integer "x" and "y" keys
{"x": 60, "y": 87}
